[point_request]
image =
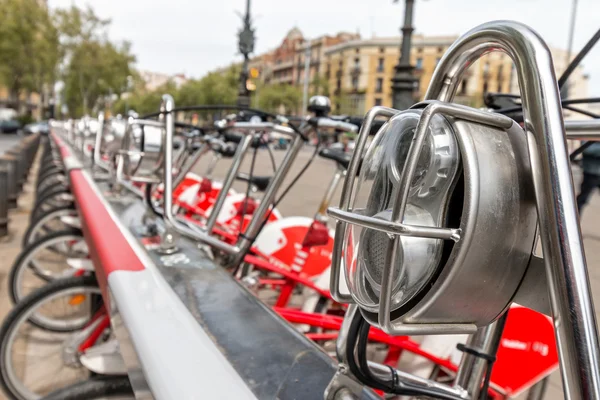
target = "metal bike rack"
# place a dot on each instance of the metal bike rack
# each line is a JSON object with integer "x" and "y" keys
{"x": 183, "y": 313}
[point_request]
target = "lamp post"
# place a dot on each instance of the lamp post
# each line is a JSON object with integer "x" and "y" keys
{"x": 246, "y": 46}
{"x": 404, "y": 82}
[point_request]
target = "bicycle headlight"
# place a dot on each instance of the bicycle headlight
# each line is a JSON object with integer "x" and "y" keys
{"x": 416, "y": 259}
{"x": 442, "y": 221}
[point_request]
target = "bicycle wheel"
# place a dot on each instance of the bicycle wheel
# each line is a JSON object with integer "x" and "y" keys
{"x": 44, "y": 260}
{"x": 35, "y": 362}
{"x": 48, "y": 222}
{"x": 50, "y": 181}
{"x": 52, "y": 199}
{"x": 105, "y": 387}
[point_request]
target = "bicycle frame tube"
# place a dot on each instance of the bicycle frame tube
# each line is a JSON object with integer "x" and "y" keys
{"x": 572, "y": 306}
{"x": 322, "y": 211}
{"x": 260, "y": 214}
{"x": 228, "y": 182}
{"x": 171, "y": 222}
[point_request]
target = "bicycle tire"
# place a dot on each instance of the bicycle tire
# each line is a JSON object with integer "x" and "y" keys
{"x": 45, "y": 201}
{"x": 14, "y": 317}
{"x": 20, "y": 262}
{"x": 47, "y": 194}
{"x": 50, "y": 170}
{"x": 96, "y": 388}
{"x": 44, "y": 218}
{"x": 51, "y": 181}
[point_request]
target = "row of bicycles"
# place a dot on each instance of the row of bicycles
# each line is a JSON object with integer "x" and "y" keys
{"x": 432, "y": 284}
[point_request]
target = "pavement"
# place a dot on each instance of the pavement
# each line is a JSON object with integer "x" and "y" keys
{"x": 8, "y": 140}
{"x": 302, "y": 200}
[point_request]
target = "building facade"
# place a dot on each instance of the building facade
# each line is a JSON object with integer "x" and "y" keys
{"x": 359, "y": 72}
{"x": 286, "y": 63}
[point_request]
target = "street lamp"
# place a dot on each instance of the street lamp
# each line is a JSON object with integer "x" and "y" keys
{"x": 404, "y": 82}
{"x": 246, "y": 46}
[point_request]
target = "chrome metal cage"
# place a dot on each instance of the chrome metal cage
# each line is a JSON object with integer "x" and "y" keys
{"x": 140, "y": 158}
{"x": 545, "y": 164}
{"x": 486, "y": 141}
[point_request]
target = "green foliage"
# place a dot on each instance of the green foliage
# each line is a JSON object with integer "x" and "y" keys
{"x": 143, "y": 101}
{"x": 279, "y": 98}
{"x": 29, "y": 49}
{"x": 94, "y": 68}
{"x": 319, "y": 86}
{"x": 212, "y": 89}
{"x": 25, "y": 119}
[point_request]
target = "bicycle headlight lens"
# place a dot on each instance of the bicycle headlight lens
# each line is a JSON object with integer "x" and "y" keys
{"x": 378, "y": 189}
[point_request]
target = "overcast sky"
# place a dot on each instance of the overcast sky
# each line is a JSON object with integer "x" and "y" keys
{"x": 194, "y": 37}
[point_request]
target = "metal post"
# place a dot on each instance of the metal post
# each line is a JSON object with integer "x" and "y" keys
{"x": 4, "y": 172}
{"x": 472, "y": 369}
{"x": 19, "y": 167}
{"x": 565, "y": 91}
{"x": 403, "y": 82}
{"x": 260, "y": 214}
{"x": 11, "y": 163}
{"x": 306, "y": 76}
{"x": 564, "y": 257}
{"x": 233, "y": 171}
{"x": 246, "y": 46}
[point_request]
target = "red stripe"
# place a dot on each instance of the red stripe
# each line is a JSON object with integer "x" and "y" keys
{"x": 64, "y": 149}
{"x": 108, "y": 247}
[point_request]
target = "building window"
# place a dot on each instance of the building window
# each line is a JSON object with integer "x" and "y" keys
{"x": 485, "y": 87}
{"x": 382, "y": 49}
{"x": 377, "y": 101}
{"x": 357, "y": 50}
{"x": 419, "y": 49}
{"x": 419, "y": 63}
{"x": 355, "y": 83}
{"x": 379, "y": 85}
{"x": 500, "y": 87}
{"x": 380, "y": 65}
{"x": 357, "y": 62}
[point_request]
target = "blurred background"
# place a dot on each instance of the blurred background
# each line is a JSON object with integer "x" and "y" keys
{"x": 66, "y": 58}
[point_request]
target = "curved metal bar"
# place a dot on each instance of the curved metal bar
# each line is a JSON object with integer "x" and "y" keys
{"x": 346, "y": 198}
{"x": 170, "y": 220}
{"x": 588, "y": 129}
{"x": 572, "y": 306}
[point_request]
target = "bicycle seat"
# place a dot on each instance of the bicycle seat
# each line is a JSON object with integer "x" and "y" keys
{"x": 339, "y": 156}
{"x": 227, "y": 151}
{"x": 261, "y": 182}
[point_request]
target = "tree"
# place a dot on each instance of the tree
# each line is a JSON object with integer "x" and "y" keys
{"x": 319, "y": 86}
{"x": 279, "y": 98}
{"x": 29, "y": 50}
{"x": 143, "y": 101}
{"x": 94, "y": 69}
{"x": 212, "y": 89}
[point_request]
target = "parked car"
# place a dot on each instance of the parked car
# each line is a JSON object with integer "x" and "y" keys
{"x": 9, "y": 126}
{"x": 37, "y": 127}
